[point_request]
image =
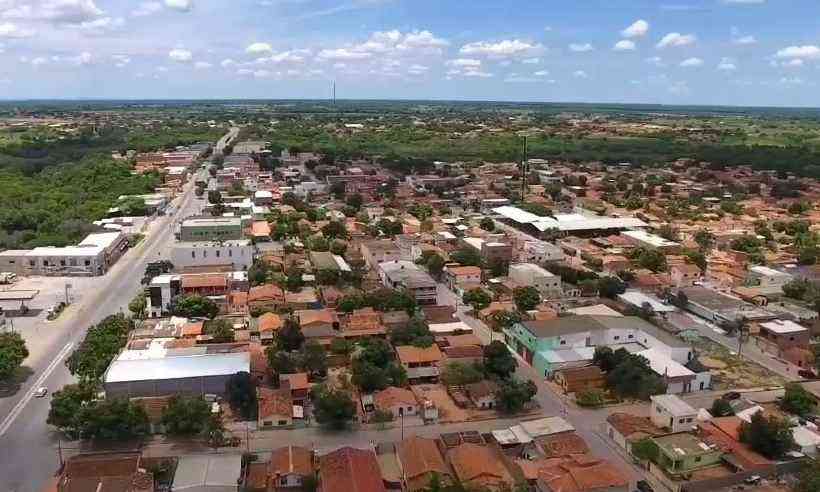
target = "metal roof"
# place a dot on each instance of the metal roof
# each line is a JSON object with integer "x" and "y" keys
{"x": 177, "y": 367}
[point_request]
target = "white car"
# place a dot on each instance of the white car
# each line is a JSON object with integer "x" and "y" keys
{"x": 40, "y": 392}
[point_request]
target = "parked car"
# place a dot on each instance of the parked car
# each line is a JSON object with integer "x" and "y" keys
{"x": 40, "y": 392}
{"x": 732, "y": 395}
{"x": 805, "y": 373}
{"x": 643, "y": 486}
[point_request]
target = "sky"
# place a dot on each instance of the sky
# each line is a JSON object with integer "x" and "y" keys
{"x": 713, "y": 52}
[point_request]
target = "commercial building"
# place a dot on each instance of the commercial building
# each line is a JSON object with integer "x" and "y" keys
{"x": 652, "y": 241}
{"x": 93, "y": 256}
{"x": 490, "y": 250}
{"x": 157, "y": 370}
{"x": 529, "y": 274}
{"x": 210, "y": 229}
{"x": 400, "y": 274}
{"x": 235, "y": 254}
{"x": 576, "y": 223}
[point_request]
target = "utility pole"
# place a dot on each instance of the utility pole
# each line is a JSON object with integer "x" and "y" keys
{"x": 524, "y": 169}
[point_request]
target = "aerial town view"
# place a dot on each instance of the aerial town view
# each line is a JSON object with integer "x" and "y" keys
{"x": 395, "y": 246}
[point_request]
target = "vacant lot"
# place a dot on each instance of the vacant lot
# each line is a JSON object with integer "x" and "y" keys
{"x": 731, "y": 371}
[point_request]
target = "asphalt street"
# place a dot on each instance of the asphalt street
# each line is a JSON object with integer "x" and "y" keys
{"x": 29, "y": 446}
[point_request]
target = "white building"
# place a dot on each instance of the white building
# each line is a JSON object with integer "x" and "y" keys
{"x": 92, "y": 256}
{"x": 529, "y": 274}
{"x": 670, "y": 412}
{"x": 540, "y": 252}
{"x": 238, "y": 254}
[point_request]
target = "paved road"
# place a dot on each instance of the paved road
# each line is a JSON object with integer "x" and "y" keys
{"x": 29, "y": 445}
{"x": 226, "y": 139}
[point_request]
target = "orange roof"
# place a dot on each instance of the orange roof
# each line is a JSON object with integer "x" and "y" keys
{"x": 580, "y": 474}
{"x": 192, "y": 329}
{"x": 260, "y": 228}
{"x": 269, "y": 322}
{"x": 194, "y": 281}
{"x": 393, "y": 396}
{"x": 409, "y": 354}
{"x": 419, "y": 455}
{"x": 266, "y": 292}
{"x": 350, "y": 470}
{"x": 308, "y": 316}
{"x": 563, "y": 444}
{"x": 297, "y": 381}
{"x": 464, "y": 271}
{"x": 274, "y": 403}
{"x": 291, "y": 460}
{"x": 471, "y": 461}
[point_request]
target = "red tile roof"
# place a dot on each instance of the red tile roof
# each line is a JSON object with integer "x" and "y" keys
{"x": 409, "y": 354}
{"x": 291, "y": 460}
{"x": 350, "y": 470}
{"x": 581, "y": 474}
{"x": 393, "y": 396}
{"x": 199, "y": 281}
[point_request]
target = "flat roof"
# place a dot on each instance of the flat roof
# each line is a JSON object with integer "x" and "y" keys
{"x": 663, "y": 365}
{"x": 18, "y": 295}
{"x": 674, "y": 405}
{"x": 212, "y": 221}
{"x": 781, "y": 326}
{"x": 198, "y": 471}
{"x": 567, "y": 222}
{"x": 568, "y": 355}
{"x": 177, "y": 367}
{"x": 652, "y": 239}
{"x": 546, "y": 426}
{"x": 638, "y": 298}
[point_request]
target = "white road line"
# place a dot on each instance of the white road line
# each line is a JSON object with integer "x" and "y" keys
{"x": 18, "y": 409}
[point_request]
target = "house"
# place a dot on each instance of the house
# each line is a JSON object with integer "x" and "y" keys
{"x": 288, "y": 468}
{"x": 577, "y": 379}
{"x": 482, "y": 394}
{"x": 778, "y": 336}
{"x": 317, "y": 319}
{"x": 266, "y": 297}
{"x": 95, "y": 472}
{"x": 480, "y": 467}
{"x": 420, "y": 363}
{"x": 462, "y": 275}
{"x": 269, "y": 323}
{"x": 208, "y": 473}
{"x": 350, "y": 470}
{"x": 400, "y": 274}
{"x": 304, "y": 299}
{"x": 672, "y": 413}
{"x": 625, "y": 429}
{"x": 581, "y": 473}
{"x": 396, "y": 401}
{"x": 420, "y": 460}
{"x": 379, "y": 251}
{"x": 683, "y": 453}
{"x": 298, "y": 386}
{"x": 529, "y": 274}
{"x": 275, "y": 407}
{"x": 365, "y": 322}
{"x": 684, "y": 274}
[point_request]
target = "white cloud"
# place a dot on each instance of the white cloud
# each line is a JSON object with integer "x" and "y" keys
{"x": 227, "y": 62}
{"x": 515, "y": 78}
{"x": 744, "y": 2}
{"x": 580, "y": 48}
{"x": 57, "y": 11}
{"x": 423, "y": 41}
{"x": 624, "y": 45}
{"x": 343, "y": 54}
{"x": 478, "y": 74}
{"x": 101, "y": 25}
{"x": 180, "y": 55}
{"x": 691, "y": 62}
{"x": 417, "y": 69}
{"x": 464, "y": 62}
{"x": 202, "y": 65}
{"x": 9, "y": 30}
{"x": 502, "y": 49}
{"x": 637, "y": 29}
{"x": 255, "y": 48}
{"x": 531, "y": 61}
{"x": 743, "y": 40}
{"x": 792, "y": 81}
{"x": 580, "y": 74}
{"x": 676, "y": 39}
{"x": 655, "y": 60}
{"x": 541, "y": 73}
{"x": 39, "y": 61}
{"x": 121, "y": 61}
{"x": 145, "y": 9}
{"x": 808, "y": 52}
{"x": 727, "y": 65}
{"x": 180, "y": 5}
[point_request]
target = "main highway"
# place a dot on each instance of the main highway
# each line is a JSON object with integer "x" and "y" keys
{"x": 29, "y": 446}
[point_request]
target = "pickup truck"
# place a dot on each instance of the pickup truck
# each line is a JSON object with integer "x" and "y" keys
{"x": 7, "y": 277}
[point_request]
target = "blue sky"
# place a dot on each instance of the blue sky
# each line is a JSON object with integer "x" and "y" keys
{"x": 724, "y": 52}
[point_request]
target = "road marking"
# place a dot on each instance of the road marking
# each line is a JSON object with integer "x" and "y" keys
{"x": 18, "y": 409}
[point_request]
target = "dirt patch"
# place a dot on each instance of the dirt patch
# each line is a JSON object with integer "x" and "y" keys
{"x": 730, "y": 371}
{"x": 448, "y": 412}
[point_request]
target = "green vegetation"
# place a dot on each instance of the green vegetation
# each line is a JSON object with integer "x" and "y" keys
{"x": 526, "y": 298}
{"x": 241, "y": 394}
{"x": 333, "y": 408}
{"x": 13, "y": 352}
{"x": 477, "y": 298}
{"x": 769, "y": 436}
{"x": 101, "y": 344}
{"x": 797, "y": 400}
{"x": 461, "y": 373}
{"x": 194, "y": 306}
{"x": 374, "y": 367}
{"x": 416, "y": 332}
{"x": 628, "y": 375}
{"x": 514, "y": 394}
{"x": 590, "y": 398}
{"x": 186, "y": 416}
{"x": 498, "y": 361}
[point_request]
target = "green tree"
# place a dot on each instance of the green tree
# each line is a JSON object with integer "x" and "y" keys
{"x": 194, "y": 306}
{"x": 721, "y": 408}
{"x": 434, "y": 263}
{"x": 101, "y": 344}
{"x": 333, "y": 408}
{"x": 645, "y": 450}
{"x": 610, "y": 287}
{"x": 416, "y": 332}
{"x": 114, "y": 419}
{"x": 477, "y": 298}
{"x": 214, "y": 197}
{"x": 137, "y": 305}
{"x": 258, "y": 273}
{"x": 461, "y": 373}
{"x": 590, "y": 398}
{"x": 505, "y": 319}
{"x": 797, "y": 400}
{"x": 498, "y": 362}
{"x": 705, "y": 239}
{"x": 186, "y": 416}
{"x": 290, "y": 337}
{"x": 240, "y": 390}
{"x": 293, "y": 281}
{"x": 66, "y": 407}
{"x": 487, "y": 224}
{"x": 334, "y": 229}
{"x": 513, "y": 395}
{"x": 526, "y": 298}
{"x": 769, "y": 436}
{"x": 313, "y": 358}
{"x": 220, "y": 329}
{"x": 809, "y": 478}
{"x": 280, "y": 362}
{"x": 13, "y": 352}
{"x": 466, "y": 257}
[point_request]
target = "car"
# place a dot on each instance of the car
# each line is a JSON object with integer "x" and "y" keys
{"x": 40, "y": 392}
{"x": 753, "y": 480}
{"x": 805, "y": 373}
{"x": 732, "y": 395}
{"x": 643, "y": 486}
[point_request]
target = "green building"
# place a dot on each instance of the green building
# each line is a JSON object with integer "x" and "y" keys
{"x": 211, "y": 229}
{"x": 682, "y": 453}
